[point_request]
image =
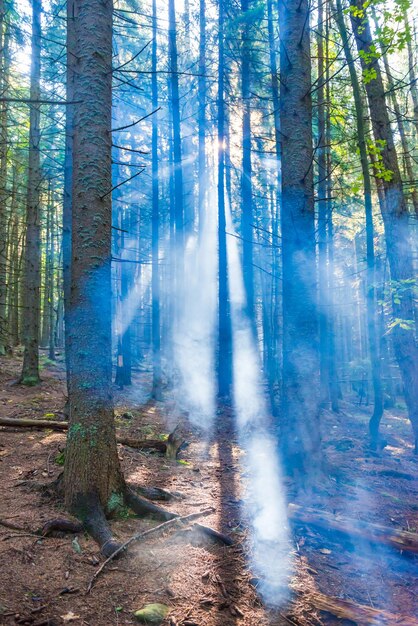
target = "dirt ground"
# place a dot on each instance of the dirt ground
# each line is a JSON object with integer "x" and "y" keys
{"x": 43, "y": 580}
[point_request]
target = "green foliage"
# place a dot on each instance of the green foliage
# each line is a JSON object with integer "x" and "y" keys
{"x": 374, "y": 149}
{"x": 369, "y": 74}
{"x": 60, "y": 458}
{"x": 30, "y": 381}
{"x": 401, "y": 323}
{"x": 115, "y": 503}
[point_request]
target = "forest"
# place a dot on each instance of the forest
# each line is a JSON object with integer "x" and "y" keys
{"x": 208, "y": 312}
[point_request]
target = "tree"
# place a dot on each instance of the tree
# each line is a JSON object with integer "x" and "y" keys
{"x": 202, "y": 115}
{"x": 177, "y": 157}
{"x": 224, "y": 362}
{"x": 68, "y": 179}
{"x": 32, "y": 275}
{"x": 93, "y": 482}
{"x": 4, "y": 78}
{"x": 156, "y": 338}
{"x": 395, "y": 216}
{"x": 375, "y": 357}
{"x": 246, "y": 182}
{"x": 300, "y": 439}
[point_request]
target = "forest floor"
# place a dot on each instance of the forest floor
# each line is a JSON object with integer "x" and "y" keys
{"x": 43, "y": 580}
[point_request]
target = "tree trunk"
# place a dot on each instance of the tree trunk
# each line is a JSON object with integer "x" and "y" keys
{"x": 375, "y": 357}
{"x": 395, "y": 219}
{"x": 4, "y": 79}
{"x": 411, "y": 69}
{"x": 178, "y": 167}
{"x": 32, "y": 276}
{"x": 246, "y": 181}
{"x": 156, "y": 336}
{"x": 202, "y": 116}
{"x": 300, "y": 438}
{"x": 47, "y": 257}
{"x": 224, "y": 365}
{"x": 400, "y": 123}
{"x": 322, "y": 152}
{"x": 92, "y": 476}
{"x": 51, "y": 279}
{"x": 68, "y": 182}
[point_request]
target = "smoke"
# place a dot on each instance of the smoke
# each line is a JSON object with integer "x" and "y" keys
{"x": 194, "y": 334}
{"x": 129, "y": 306}
{"x": 265, "y": 505}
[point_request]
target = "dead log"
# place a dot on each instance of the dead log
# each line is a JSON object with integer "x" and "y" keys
{"x": 32, "y": 423}
{"x": 374, "y": 533}
{"x": 165, "y": 447}
{"x": 357, "y": 613}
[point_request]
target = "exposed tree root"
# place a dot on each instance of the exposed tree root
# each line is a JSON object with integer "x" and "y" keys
{"x": 141, "y": 506}
{"x": 61, "y": 525}
{"x": 213, "y": 534}
{"x": 97, "y": 526}
{"x": 156, "y": 493}
{"x": 374, "y": 533}
{"x": 170, "y": 447}
{"x": 357, "y": 613}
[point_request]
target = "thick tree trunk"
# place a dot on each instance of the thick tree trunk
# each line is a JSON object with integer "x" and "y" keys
{"x": 300, "y": 438}
{"x": 32, "y": 276}
{"x": 395, "y": 219}
{"x": 92, "y": 476}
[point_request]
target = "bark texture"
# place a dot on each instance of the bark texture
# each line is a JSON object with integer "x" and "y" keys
{"x": 300, "y": 438}
{"x": 32, "y": 275}
{"x": 92, "y": 476}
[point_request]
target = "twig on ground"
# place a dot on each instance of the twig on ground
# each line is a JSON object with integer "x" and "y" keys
{"x": 146, "y": 533}
{"x": 20, "y": 535}
{"x": 12, "y": 526}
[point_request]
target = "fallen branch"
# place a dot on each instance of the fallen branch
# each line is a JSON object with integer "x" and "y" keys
{"x": 375, "y": 533}
{"x": 358, "y": 613}
{"x": 165, "y": 447}
{"x": 146, "y": 533}
{"x": 31, "y": 423}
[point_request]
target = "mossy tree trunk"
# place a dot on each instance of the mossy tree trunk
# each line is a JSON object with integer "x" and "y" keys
{"x": 92, "y": 475}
